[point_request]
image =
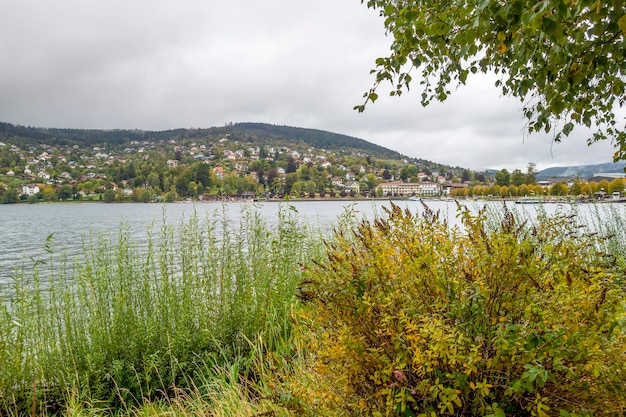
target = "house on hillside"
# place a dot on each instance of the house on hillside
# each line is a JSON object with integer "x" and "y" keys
{"x": 337, "y": 181}
{"x": 219, "y": 172}
{"x": 352, "y": 186}
{"x": 30, "y": 189}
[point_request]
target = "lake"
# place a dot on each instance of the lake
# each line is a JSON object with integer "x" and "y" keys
{"x": 24, "y": 228}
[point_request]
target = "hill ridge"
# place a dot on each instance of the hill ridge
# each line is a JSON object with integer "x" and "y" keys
{"x": 242, "y": 131}
{"x": 581, "y": 171}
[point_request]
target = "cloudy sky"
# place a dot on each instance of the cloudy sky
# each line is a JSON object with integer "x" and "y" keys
{"x": 157, "y": 64}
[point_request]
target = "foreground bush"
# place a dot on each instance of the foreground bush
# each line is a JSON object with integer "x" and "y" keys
{"x": 411, "y": 317}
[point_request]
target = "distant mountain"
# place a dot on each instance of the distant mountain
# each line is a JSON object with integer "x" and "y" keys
{"x": 581, "y": 171}
{"x": 259, "y": 133}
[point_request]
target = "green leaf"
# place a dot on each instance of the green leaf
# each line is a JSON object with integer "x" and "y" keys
{"x": 557, "y": 107}
{"x": 567, "y": 129}
{"x": 439, "y": 29}
{"x": 622, "y": 24}
{"x": 548, "y": 25}
{"x": 527, "y": 18}
{"x": 526, "y": 85}
{"x": 410, "y": 15}
{"x": 389, "y": 9}
{"x": 463, "y": 76}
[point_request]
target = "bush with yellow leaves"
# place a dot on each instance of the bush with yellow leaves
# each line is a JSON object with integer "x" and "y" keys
{"x": 408, "y": 316}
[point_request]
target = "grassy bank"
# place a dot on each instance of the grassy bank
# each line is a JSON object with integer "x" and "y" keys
{"x": 127, "y": 323}
{"x": 396, "y": 316}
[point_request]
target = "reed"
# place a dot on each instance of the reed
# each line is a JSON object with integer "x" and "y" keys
{"x": 138, "y": 320}
{"x": 604, "y": 220}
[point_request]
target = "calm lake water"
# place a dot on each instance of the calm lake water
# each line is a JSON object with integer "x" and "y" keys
{"x": 24, "y": 228}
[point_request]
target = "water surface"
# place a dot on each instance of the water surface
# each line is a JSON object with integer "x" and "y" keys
{"x": 24, "y": 228}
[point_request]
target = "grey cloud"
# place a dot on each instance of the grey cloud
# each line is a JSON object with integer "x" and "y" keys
{"x": 159, "y": 64}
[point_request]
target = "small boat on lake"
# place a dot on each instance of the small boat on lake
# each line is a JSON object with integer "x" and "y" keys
{"x": 529, "y": 200}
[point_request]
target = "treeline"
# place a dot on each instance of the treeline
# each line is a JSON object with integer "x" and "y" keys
{"x": 577, "y": 188}
{"x": 154, "y": 180}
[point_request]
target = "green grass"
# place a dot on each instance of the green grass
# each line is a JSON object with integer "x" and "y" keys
{"x": 127, "y": 323}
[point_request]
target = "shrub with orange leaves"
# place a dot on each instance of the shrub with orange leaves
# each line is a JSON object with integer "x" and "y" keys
{"x": 411, "y": 317}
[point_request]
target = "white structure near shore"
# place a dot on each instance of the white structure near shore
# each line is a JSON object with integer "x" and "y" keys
{"x": 30, "y": 189}
{"x": 399, "y": 188}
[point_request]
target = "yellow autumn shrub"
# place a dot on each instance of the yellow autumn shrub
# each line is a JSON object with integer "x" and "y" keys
{"x": 408, "y": 316}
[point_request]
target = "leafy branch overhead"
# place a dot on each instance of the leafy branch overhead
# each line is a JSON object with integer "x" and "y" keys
{"x": 565, "y": 59}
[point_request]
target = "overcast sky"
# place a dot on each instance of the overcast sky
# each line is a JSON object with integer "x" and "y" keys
{"x": 157, "y": 64}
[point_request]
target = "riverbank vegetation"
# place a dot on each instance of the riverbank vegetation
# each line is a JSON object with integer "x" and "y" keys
{"x": 398, "y": 315}
{"x": 129, "y": 323}
{"x": 243, "y": 161}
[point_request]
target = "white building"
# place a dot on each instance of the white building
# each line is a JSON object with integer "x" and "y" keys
{"x": 30, "y": 189}
{"x": 410, "y": 188}
{"x": 352, "y": 186}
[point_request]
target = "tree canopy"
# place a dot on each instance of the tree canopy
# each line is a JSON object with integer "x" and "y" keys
{"x": 564, "y": 59}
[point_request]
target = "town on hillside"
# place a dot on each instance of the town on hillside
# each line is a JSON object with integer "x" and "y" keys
{"x": 232, "y": 168}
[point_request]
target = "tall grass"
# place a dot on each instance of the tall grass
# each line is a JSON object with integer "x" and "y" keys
{"x": 606, "y": 220}
{"x": 129, "y": 322}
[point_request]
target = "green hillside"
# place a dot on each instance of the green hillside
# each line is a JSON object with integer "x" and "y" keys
{"x": 313, "y": 137}
{"x": 260, "y": 133}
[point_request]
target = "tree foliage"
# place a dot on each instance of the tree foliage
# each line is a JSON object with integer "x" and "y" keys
{"x": 563, "y": 58}
{"x": 503, "y": 177}
{"x": 413, "y": 318}
{"x": 9, "y": 197}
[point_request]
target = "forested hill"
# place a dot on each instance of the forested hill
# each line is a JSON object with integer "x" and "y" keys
{"x": 258, "y": 133}
{"x": 316, "y": 138}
